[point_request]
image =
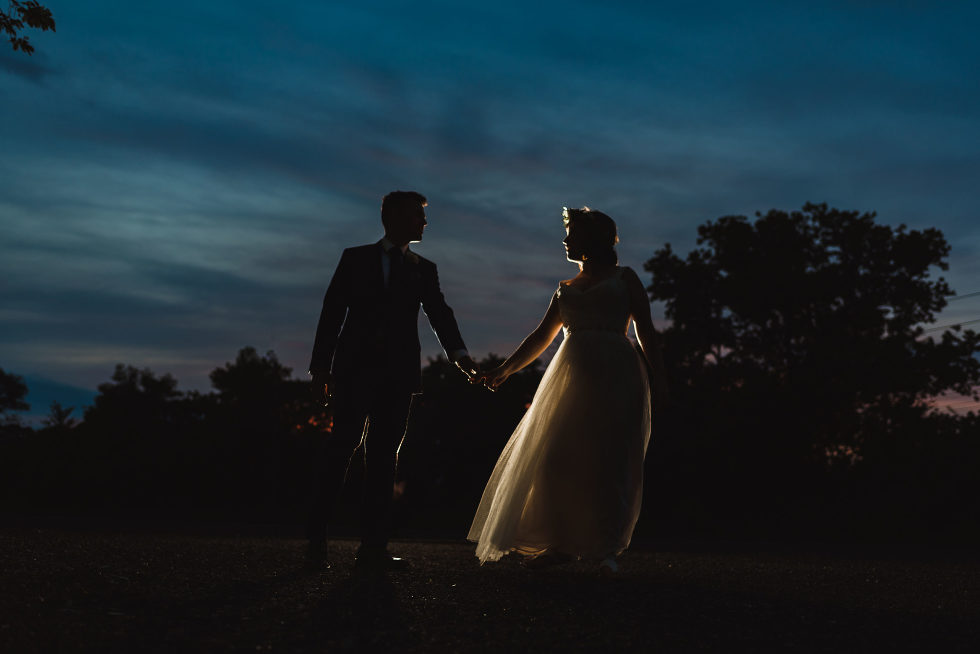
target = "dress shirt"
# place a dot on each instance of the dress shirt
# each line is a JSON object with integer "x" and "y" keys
{"x": 386, "y": 258}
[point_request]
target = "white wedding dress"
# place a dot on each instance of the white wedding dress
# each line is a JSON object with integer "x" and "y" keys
{"x": 570, "y": 479}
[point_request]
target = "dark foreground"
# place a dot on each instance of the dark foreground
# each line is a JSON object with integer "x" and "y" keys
{"x": 64, "y": 591}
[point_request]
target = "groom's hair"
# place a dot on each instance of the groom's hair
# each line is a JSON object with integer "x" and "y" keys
{"x": 600, "y": 232}
{"x": 395, "y": 204}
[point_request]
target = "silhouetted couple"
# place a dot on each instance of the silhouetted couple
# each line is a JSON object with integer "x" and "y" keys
{"x": 568, "y": 484}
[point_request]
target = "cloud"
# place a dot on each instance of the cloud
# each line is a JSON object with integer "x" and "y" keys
{"x": 32, "y": 68}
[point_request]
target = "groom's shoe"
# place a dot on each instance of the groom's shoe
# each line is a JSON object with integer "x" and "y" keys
{"x": 379, "y": 560}
{"x": 316, "y": 556}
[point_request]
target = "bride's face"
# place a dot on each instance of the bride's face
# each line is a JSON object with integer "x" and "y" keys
{"x": 574, "y": 244}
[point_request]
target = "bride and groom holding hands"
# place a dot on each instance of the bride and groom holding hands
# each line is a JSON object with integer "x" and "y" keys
{"x": 568, "y": 483}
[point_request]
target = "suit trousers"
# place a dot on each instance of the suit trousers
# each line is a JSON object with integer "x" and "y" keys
{"x": 386, "y": 409}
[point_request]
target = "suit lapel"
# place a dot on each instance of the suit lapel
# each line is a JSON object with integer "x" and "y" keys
{"x": 411, "y": 271}
{"x": 376, "y": 275}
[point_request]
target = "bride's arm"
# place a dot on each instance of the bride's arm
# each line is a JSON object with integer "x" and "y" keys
{"x": 647, "y": 335}
{"x": 530, "y": 348}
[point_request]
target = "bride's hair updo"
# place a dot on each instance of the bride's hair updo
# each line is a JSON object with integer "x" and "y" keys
{"x": 599, "y": 230}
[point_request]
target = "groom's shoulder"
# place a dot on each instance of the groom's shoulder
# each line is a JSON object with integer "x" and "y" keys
{"x": 422, "y": 261}
{"x": 362, "y": 249}
{"x": 359, "y": 251}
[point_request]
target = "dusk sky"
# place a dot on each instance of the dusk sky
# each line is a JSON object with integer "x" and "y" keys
{"x": 178, "y": 179}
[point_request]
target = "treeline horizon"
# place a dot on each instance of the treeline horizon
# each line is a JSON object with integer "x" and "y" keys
{"x": 801, "y": 408}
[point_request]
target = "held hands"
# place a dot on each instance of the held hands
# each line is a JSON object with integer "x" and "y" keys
{"x": 492, "y": 378}
{"x": 469, "y": 367}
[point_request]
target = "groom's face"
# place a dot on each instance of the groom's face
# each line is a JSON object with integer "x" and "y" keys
{"x": 408, "y": 226}
{"x": 415, "y": 224}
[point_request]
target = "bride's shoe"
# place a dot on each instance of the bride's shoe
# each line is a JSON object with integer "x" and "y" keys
{"x": 608, "y": 567}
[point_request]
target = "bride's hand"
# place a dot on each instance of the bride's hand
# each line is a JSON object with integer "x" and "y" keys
{"x": 494, "y": 378}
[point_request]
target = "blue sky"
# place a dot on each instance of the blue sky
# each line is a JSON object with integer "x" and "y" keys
{"x": 178, "y": 181}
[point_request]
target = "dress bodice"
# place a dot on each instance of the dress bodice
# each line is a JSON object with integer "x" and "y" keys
{"x": 604, "y": 306}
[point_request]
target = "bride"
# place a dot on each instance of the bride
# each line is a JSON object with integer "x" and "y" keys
{"x": 569, "y": 482}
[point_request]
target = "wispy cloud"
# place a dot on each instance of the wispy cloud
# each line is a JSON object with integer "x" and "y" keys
{"x": 35, "y": 69}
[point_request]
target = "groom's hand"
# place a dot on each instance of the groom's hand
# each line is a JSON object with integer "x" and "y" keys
{"x": 320, "y": 387}
{"x": 469, "y": 367}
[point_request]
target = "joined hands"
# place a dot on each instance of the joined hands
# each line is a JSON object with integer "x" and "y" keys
{"x": 491, "y": 379}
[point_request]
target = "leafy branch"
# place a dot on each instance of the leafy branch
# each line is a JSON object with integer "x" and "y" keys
{"x": 22, "y": 14}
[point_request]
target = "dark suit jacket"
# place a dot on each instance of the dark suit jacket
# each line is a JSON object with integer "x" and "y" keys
{"x": 366, "y": 327}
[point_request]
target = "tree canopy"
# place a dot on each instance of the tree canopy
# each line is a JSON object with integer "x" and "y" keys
{"x": 13, "y": 392}
{"x": 249, "y": 377}
{"x": 816, "y": 318}
{"x": 134, "y": 396}
{"x": 23, "y": 14}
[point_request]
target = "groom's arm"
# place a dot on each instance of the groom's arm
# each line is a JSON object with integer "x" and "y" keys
{"x": 443, "y": 321}
{"x": 332, "y": 314}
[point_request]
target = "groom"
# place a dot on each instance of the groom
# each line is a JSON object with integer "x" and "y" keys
{"x": 366, "y": 363}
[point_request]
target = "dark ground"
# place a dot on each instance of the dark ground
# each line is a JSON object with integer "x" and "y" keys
{"x": 69, "y": 590}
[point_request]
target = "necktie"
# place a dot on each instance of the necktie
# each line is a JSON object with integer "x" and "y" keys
{"x": 397, "y": 263}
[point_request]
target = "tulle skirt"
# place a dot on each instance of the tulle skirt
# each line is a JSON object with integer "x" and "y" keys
{"x": 570, "y": 478}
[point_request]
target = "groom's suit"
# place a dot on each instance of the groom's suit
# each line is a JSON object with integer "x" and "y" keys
{"x": 367, "y": 338}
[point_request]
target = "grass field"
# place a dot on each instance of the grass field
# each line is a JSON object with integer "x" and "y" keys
{"x": 69, "y": 590}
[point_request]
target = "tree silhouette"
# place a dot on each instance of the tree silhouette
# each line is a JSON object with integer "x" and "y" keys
{"x": 250, "y": 379}
{"x": 255, "y": 417}
{"x": 135, "y": 399}
{"x": 13, "y": 390}
{"x": 21, "y": 14}
{"x": 797, "y": 341}
{"x": 59, "y": 417}
{"x": 822, "y": 303}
